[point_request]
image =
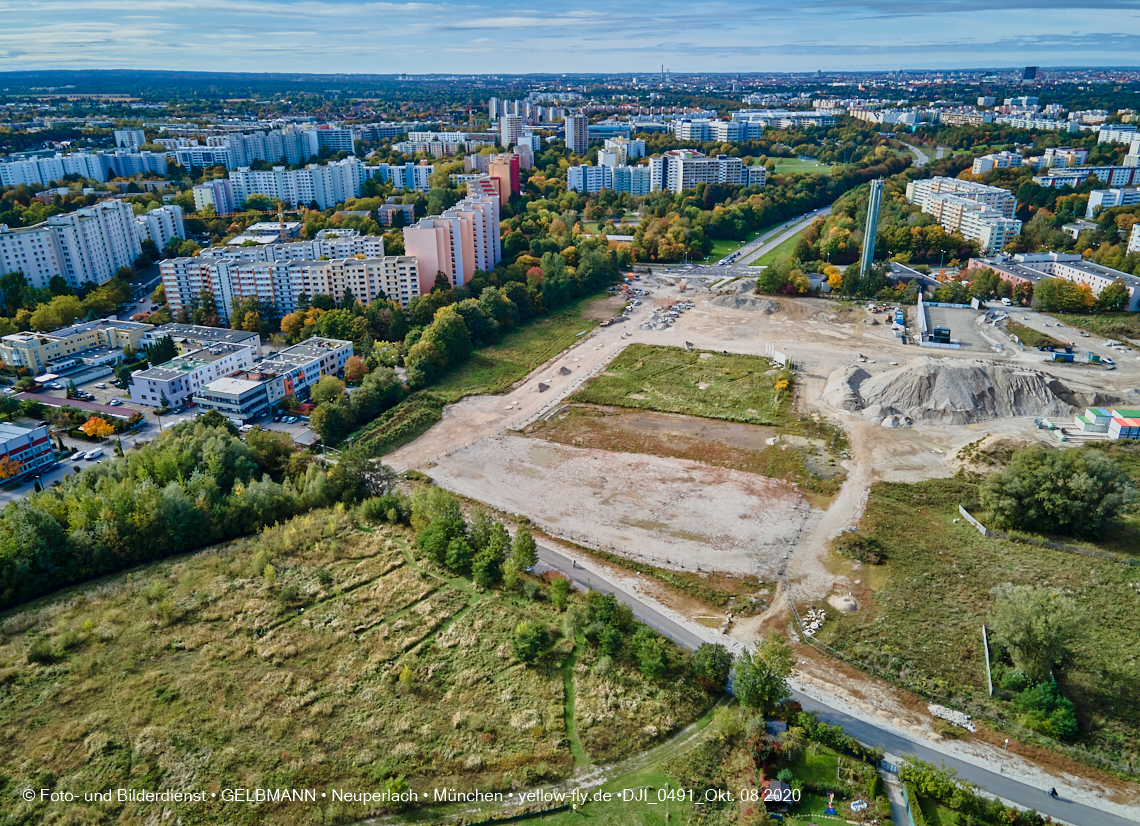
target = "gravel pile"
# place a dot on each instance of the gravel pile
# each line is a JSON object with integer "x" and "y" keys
{"x": 952, "y": 716}
{"x": 950, "y": 391}
{"x": 744, "y": 301}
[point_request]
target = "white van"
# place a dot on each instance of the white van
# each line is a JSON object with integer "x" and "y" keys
{"x": 1006, "y": 302}
{"x": 94, "y": 454}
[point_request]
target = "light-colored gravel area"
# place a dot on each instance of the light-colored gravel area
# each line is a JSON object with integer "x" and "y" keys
{"x": 671, "y": 512}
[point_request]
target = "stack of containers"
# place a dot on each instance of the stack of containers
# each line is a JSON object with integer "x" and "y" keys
{"x": 1125, "y": 424}
{"x": 1094, "y": 420}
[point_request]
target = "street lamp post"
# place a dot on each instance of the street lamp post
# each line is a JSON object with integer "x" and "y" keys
{"x": 1001, "y": 765}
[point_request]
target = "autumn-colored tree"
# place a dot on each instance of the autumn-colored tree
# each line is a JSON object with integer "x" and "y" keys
{"x": 9, "y": 468}
{"x": 355, "y": 370}
{"x": 97, "y": 427}
{"x": 292, "y": 325}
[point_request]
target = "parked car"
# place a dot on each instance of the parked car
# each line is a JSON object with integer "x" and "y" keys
{"x": 115, "y": 402}
{"x": 102, "y": 385}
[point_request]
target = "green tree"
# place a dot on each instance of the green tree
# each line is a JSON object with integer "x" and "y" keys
{"x": 651, "y": 658}
{"x": 560, "y": 592}
{"x": 161, "y": 351}
{"x": 1037, "y": 625}
{"x": 487, "y": 567}
{"x": 1114, "y": 297}
{"x": 529, "y": 640}
{"x": 330, "y": 422}
{"x": 459, "y": 555}
{"x": 761, "y": 676}
{"x": 433, "y": 541}
{"x": 711, "y": 664}
{"x": 329, "y": 390}
{"x": 524, "y": 551}
{"x": 1078, "y": 492}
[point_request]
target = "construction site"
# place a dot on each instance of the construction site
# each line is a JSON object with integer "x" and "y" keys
{"x": 905, "y": 411}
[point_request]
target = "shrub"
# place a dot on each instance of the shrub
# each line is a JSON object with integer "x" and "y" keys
{"x": 859, "y": 546}
{"x": 1045, "y": 710}
{"x": 41, "y": 652}
{"x": 711, "y": 664}
{"x": 529, "y": 641}
{"x": 560, "y": 592}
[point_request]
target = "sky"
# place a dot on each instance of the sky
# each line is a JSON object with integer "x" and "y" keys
{"x": 489, "y": 36}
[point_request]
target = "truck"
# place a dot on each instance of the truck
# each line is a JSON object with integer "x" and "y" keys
{"x": 93, "y": 454}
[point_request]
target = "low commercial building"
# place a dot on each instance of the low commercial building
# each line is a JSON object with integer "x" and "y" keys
{"x": 187, "y": 337}
{"x": 179, "y": 379}
{"x": 1031, "y": 267}
{"x": 28, "y": 447}
{"x": 248, "y": 394}
{"x": 39, "y": 352}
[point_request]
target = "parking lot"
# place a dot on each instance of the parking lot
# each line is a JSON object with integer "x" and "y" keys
{"x": 963, "y": 330}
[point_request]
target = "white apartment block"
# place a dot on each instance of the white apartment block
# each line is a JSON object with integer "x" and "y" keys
{"x": 681, "y": 169}
{"x": 974, "y": 220}
{"x": 202, "y": 156}
{"x": 782, "y": 118}
{"x": 1110, "y": 176}
{"x": 998, "y": 199}
{"x": 1102, "y": 199}
{"x": 281, "y": 282}
{"x": 723, "y": 131}
{"x": 587, "y": 178}
{"x": 217, "y": 194}
{"x": 577, "y": 132}
{"x": 626, "y": 149}
{"x": 463, "y": 239}
{"x": 130, "y": 138}
{"x": 510, "y": 128}
{"x": 88, "y": 245}
{"x": 1065, "y": 156}
{"x": 997, "y": 160}
{"x": 180, "y": 378}
{"x": 329, "y": 243}
{"x": 326, "y": 185}
{"x": 1117, "y": 133}
{"x": 160, "y": 225}
{"x": 1134, "y": 239}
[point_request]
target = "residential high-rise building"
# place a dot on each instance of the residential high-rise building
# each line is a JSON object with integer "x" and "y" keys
{"x": 998, "y": 199}
{"x": 86, "y": 246}
{"x": 1102, "y": 199}
{"x": 217, "y": 194}
{"x": 577, "y": 131}
{"x": 510, "y": 127}
{"x": 626, "y": 149}
{"x": 457, "y": 242}
{"x": 681, "y": 169}
{"x": 1134, "y": 239}
{"x": 130, "y": 138}
{"x": 505, "y": 168}
{"x": 160, "y": 225}
{"x": 871, "y": 228}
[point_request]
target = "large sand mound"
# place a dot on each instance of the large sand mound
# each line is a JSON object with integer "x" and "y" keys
{"x": 745, "y": 302}
{"x": 951, "y": 391}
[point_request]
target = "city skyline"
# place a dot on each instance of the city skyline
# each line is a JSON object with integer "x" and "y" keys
{"x": 498, "y": 37}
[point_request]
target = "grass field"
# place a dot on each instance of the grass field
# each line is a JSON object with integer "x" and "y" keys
{"x": 316, "y": 655}
{"x": 1110, "y": 325}
{"x": 924, "y": 624}
{"x": 1030, "y": 337}
{"x": 781, "y": 250}
{"x": 494, "y": 369}
{"x": 794, "y": 166}
{"x": 732, "y": 387}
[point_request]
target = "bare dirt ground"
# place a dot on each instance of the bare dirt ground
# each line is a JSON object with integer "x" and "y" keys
{"x": 669, "y": 512}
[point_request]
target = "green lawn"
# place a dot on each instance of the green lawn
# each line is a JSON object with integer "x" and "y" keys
{"x": 781, "y": 250}
{"x": 723, "y": 246}
{"x": 1030, "y": 337}
{"x": 494, "y": 369}
{"x": 924, "y": 624}
{"x": 1110, "y": 325}
{"x": 713, "y": 385}
{"x": 936, "y": 814}
{"x": 794, "y": 166}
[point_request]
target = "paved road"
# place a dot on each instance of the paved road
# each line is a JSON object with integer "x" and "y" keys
{"x": 866, "y": 732}
{"x": 920, "y": 157}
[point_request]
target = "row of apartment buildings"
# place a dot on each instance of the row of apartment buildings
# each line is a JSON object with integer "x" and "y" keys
{"x": 99, "y": 166}
{"x": 461, "y": 240}
{"x": 978, "y": 212}
{"x": 327, "y": 184}
{"x": 86, "y": 246}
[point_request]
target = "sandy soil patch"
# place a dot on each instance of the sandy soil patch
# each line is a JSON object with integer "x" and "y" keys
{"x": 668, "y": 511}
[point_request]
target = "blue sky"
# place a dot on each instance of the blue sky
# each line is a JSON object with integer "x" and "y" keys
{"x": 489, "y": 36}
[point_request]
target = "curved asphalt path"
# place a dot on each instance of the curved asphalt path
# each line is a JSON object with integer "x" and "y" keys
{"x": 867, "y": 733}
